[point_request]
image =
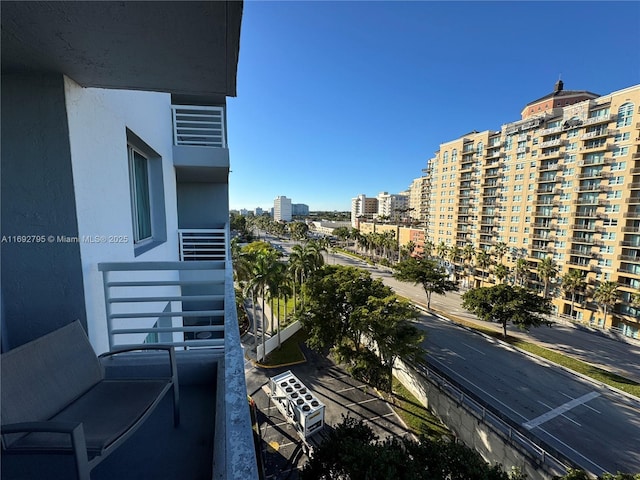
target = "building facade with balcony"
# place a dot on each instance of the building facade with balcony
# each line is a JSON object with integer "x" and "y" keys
{"x": 562, "y": 182}
{"x": 115, "y": 185}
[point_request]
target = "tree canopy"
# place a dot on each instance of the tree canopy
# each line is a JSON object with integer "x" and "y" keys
{"x": 361, "y": 320}
{"x": 351, "y": 450}
{"x": 507, "y": 304}
{"x": 433, "y": 277}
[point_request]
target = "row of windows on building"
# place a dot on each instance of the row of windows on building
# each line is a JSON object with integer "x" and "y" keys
{"x": 624, "y": 118}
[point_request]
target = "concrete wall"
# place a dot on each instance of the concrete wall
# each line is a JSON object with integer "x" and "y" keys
{"x": 203, "y": 205}
{"x": 98, "y": 121}
{"x": 42, "y": 280}
{"x": 272, "y": 343}
{"x": 476, "y": 428}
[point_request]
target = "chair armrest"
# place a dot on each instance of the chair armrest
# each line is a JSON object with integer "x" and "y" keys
{"x": 73, "y": 429}
{"x": 170, "y": 349}
{"x": 46, "y": 426}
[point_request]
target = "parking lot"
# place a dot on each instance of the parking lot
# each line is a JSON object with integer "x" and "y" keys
{"x": 342, "y": 395}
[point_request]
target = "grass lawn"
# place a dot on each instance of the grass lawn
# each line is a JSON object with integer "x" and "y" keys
{"x": 288, "y": 353}
{"x": 420, "y": 420}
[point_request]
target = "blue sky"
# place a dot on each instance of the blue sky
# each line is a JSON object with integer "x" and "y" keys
{"x": 341, "y": 98}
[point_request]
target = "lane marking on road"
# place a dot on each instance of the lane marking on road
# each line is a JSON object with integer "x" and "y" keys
{"x": 588, "y": 406}
{"x": 360, "y": 403}
{"x": 565, "y": 407}
{"x": 379, "y": 417}
{"x": 562, "y": 414}
{"x": 473, "y": 348}
{"x": 350, "y": 388}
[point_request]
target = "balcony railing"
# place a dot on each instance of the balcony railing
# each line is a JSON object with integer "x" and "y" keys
{"x": 203, "y": 244}
{"x": 200, "y": 126}
{"x": 177, "y": 303}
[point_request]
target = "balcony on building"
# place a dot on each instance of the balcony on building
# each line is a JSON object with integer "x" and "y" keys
{"x": 586, "y": 239}
{"x": 600, "y": 160}
{"x": 585, "y": 212}
{"x": 582, "y": 252}
{"x": 599, "y": 119}
{"x": 199, "y": 138}
{"x": 580, "y": 262}
{"x": 629, "y": 268}
{"x": 547, "y": 177}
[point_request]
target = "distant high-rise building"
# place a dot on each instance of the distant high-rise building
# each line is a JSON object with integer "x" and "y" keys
{"x": 299, "y": 209}
{"x": 258, "y": 211}
{"x": 363, "y": 208}
{"x": 418, "y": 210}
{"x": 282, "y": 209}
{"x": 563, "y": 182}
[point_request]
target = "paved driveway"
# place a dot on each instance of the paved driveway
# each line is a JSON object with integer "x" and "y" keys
{"x": 341, "y": 394}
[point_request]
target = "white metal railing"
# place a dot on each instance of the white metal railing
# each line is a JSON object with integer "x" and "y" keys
{"x": 174, "y": 303}
{"x": 203, "y": 244}
{"x": 198, "y": 126}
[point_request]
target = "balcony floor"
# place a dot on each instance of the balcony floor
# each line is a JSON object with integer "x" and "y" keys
{"x": 156, "y": 450}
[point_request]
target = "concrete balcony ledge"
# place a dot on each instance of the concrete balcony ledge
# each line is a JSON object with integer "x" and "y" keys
{"x": 201, "y": 164}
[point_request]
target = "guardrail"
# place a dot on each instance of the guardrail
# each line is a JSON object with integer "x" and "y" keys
{"x": 198, "y": 126}
{"x": 203, "y": 244}
{"x": 174, "y": 303}
{"x": 539, "y": 453}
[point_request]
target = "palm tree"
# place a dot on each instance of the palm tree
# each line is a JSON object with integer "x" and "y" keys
{"x": 442, "y": 250}
{"x": 276, "y": 286}
{"x": 635, "y": 299}
{"x": 521, "y": 270}
{"x": 428, "y": 248}
{"x": 606, "y": 296}
{"x": 262, "y": 273}
{"x": 468, "y": 252}
{"x": 483, "y": 260}
{"x": 303, "y": 260}
{"x": 454, "y": 256}
{"x": 501, "y": 272}
{"x": 547, "y": 270}
{"x": 500, "y": 250}
{"x": 572, "y": 283}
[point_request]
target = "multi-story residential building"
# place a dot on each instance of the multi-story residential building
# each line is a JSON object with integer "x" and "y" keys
{"x": 282, "y": 209}
{"x": 393, "y": 206}
{"x": 114, "y": 173}
{"x": 563, "y": 182}
{"x": 417, "y": 200}
{"x": 363, "y": 208}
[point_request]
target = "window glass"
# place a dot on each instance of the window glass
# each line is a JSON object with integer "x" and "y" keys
{"x": 139, "y": 172}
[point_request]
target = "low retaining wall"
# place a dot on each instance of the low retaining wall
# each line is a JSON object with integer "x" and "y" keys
{"x": 272, "y": 343}
{"x": 476, "y": 427}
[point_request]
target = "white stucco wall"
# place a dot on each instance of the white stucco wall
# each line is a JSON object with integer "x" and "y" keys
{"x": 98, "y": 119}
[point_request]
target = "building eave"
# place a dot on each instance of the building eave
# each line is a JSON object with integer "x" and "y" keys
{"x": 179, "y": 47}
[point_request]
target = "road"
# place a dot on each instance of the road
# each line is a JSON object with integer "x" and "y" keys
{"x": 594, "y": 348}
{"x": 594, "y": 426}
